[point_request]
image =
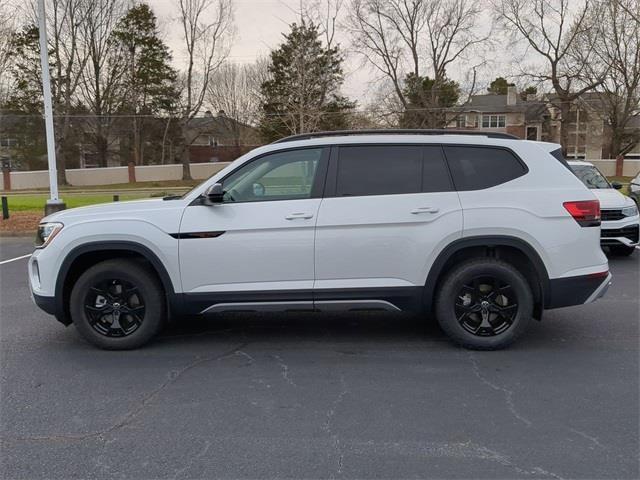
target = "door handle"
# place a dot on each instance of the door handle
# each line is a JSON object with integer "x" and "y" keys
{"x": 418, "y": 210}
{"x": 297, "y": 216}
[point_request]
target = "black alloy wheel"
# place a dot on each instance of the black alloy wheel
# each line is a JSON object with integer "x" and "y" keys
{"x": 118, "y": 304}
{"x": 484, "y": 303}
{"x": 486, "y": 306}
{"x": 114, "y": 307}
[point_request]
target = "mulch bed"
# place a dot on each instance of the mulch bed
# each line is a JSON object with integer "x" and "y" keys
{"x": 20, "y": 223}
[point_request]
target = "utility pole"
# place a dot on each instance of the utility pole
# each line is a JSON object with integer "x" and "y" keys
{"x": 54, "y": 204}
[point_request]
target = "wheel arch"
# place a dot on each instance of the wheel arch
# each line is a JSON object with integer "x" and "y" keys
{"x": 488, "y": 246}
{"x": 99, "y": 251}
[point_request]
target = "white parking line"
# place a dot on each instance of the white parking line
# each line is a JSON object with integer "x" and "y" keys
{"x": 14, "y": 259}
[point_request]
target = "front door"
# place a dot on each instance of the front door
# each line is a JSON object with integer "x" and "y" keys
{"x": 257, "y": 244}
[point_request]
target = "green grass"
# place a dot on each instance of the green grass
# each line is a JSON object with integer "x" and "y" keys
{"x": 35, "y": 203}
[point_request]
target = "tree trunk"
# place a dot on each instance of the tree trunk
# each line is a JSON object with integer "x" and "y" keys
{"x": 136, "y": 142}
{"x": 565, "y": 111}
{"x": 186, "y": 166}
{"x": 60, "y": 152}
{"x": 185, "y": 154}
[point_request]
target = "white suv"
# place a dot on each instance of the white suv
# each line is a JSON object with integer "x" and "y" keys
{"x": 620, "y": 220}
{"x": 484, "y": 231}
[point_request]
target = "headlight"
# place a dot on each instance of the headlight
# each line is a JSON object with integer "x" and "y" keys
{"x": 631, "y": 211}
{"x": 46, "y": 233}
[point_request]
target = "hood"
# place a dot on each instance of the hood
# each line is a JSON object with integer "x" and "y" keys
{"x": 611, "y": 198}
{"x": 133, "y": 209}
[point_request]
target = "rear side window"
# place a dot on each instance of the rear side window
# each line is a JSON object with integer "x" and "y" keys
{"x": 557, "y": 154}
{"x": 476, "y": 168}
{"x": 435, "y": 175}
{"x": 379, "y": 170}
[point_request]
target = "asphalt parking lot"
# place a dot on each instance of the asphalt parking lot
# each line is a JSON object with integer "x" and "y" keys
{"x": 321, "y": 396}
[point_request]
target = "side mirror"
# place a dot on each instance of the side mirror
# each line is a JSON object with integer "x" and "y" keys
{"x": 214, "y": 194}
{"x": 616, "y": 185}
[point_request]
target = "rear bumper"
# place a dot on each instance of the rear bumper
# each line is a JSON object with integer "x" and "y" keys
{"x": 565, "y": 292}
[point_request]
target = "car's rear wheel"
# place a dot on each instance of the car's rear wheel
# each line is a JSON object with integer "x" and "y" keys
{"x": 484, "y": 304}
{"x": 118, "y": 304}
{"x": 622, "y": 250}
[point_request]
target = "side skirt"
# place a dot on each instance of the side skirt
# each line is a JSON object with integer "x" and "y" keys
{"x": 387, "y": 299}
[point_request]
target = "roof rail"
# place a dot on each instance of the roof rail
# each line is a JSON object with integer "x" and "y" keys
{"x": 442, "y": 131}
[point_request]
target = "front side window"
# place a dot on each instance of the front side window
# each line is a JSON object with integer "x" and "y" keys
{"x": 590, "y": 176}
{"x": 277, "y": 176}
{"x": 476, "y": 168}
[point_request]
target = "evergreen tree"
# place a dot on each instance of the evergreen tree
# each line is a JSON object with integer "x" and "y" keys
{"x": 500, "y": 86}
{"x": 149, "y": 81}
{"x": 303, "y": 91}
{"x": 426, "y": 101}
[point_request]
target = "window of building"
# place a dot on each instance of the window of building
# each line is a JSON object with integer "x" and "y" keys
{"x": 494, "y": 121}
{"x": 461, "y": 121}
{"x": 8, "y": 142}
{"x": 532, "y": 133}
{"x": 475, "y": 168}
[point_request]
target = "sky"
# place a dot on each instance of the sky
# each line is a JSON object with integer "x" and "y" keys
{"x": 259, "y": 26}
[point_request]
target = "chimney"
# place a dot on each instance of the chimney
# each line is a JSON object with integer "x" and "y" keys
{"x": 512, "y": 95}
{"x": 208, "y": 114}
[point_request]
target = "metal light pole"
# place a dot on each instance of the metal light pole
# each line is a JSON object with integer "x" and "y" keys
{"x": 54, "y": 203}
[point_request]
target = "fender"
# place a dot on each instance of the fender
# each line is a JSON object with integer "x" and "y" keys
{"x": 483, "y": 241}
{"x": 174, "y": 300}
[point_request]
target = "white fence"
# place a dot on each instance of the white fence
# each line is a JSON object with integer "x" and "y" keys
{"x": 608, "y": 167}
{"x": 159, "y": 173}
{"x": 114, "y": 175}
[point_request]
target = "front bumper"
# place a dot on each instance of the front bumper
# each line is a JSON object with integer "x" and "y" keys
{"x": 620, "y": 233}
{"x": 569, "y": 291}
{"x": 48, "y": 304}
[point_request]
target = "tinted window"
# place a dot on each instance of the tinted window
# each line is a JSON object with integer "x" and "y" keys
{"x": 557, "y": 154}
{"x": 435, "y": 175}
{"x": 279, "y": 176}
{"x": 475, "y": 168}
{"x": 379, "y": 170}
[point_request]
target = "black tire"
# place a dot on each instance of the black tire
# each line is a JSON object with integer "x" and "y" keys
{"x": 460, "y": 304}
{"x": 118, "y": 292}
{"x": 622, "y": 250}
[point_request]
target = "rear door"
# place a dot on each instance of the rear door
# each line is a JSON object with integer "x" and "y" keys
{"x": 387, "y": 210}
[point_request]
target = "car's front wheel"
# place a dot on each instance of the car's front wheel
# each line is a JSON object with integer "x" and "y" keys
{"x": 118, "y": 304}
{"x": 484, "y": 304}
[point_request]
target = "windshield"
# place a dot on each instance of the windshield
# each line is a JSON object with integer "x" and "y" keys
{"x": 590, "y": 176}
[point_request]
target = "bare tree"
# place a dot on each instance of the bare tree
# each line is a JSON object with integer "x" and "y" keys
{"x": 7, "y": 30}
{"x": 553, "y": 30}
{"x": 234, "y": 92}
{"x": 402, "y": 38}
{"x": 101, "y": 88}
{"x": 616, "y": 44}
{"x": 207, "y": 28}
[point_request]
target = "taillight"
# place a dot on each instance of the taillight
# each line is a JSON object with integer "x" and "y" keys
{"x": 585, "y": 212}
